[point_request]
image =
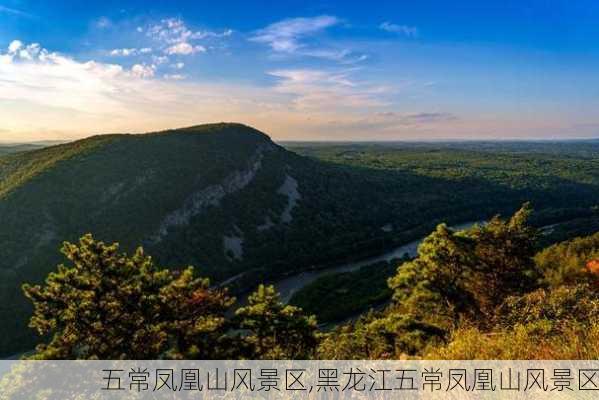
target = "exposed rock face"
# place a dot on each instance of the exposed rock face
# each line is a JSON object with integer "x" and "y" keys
{"x": 233, "y": 245}
{"x": 289, "y": 189}
{"x": 212, "y": 195}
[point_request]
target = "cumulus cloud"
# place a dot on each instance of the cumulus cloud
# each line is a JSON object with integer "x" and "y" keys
{"x": 170, "y": 31}
{"x": 410, "y": 31}
{"x": 17, "y": 50}
{"x": 143, "y": 71}
{"x": 159, "y": 60}
{"x": 54, "y": 95}
{"x": 177, "y": 38}
{"x": 47, "y": 95}
{"x": 184, "y": 48}
{"x": 14, "y": 46}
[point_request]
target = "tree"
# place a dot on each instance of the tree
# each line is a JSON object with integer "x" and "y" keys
{"x": 431, "y": 287}
{"x": 461, "y": 277}
{"x": 109, "y": 305}
{"x": 504, "y": 259}
{"x": 273, "y": 330}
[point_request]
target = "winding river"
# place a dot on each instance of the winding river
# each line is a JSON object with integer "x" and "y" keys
{"x": 291, "y": 284}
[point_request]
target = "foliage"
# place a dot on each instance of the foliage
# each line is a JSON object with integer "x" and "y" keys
{"x": 561, "y": 323}
{"x": 503, "y": 260}
{"x": 466, "y": 274}
{"x": 522, "y": 342}
{"x": 274, "y": 330}
{"x": 575, "y": 303}
{"x": 433, "y": 286}
{"x": 366, "y": 338}
{"x": 471, "y": 294}
{"x": 338, "y": 296}
{"x": 123, "y": 187}
{"x": 458, "y": 279}
{"x": 386, "y": 335}
{"x": 564, "y": 263}
{"x": 107, "y": 305}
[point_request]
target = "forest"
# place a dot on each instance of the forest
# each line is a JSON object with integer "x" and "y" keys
{"x": 481, "y": 293}
{"x": 352, "y": 201}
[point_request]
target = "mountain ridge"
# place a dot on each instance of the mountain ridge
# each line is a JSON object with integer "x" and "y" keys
{"x": 228, "y": 200}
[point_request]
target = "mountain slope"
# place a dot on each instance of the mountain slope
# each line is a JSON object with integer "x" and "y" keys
{"x": 225, "y": 198}
{"x": 133, "y": 189}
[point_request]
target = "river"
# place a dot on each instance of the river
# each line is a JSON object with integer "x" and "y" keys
{"x": 291, "y": 284}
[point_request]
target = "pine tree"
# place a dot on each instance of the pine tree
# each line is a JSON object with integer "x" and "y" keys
{"x": 108, "y": 305}
{"x": 273, "y": 330}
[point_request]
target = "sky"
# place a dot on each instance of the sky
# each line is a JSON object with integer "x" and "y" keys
{"x": 301, "y": 70}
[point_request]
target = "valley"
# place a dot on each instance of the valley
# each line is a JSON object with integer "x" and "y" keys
{"x": 245, "y": 210}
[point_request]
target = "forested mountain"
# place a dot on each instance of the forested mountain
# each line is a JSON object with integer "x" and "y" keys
{"x": 226, "y": 199}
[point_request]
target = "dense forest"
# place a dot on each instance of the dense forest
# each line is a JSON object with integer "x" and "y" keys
{"x": 480, "y": 293}
{"x": 244, "y": 210}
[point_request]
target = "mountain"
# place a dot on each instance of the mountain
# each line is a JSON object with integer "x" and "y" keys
{"x": 222, "y": 197}
{"x": 226, "y": 199}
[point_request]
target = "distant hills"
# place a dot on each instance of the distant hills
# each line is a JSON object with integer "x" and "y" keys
{"x": 225, "y": 198}
{"x": 10, "y": 148}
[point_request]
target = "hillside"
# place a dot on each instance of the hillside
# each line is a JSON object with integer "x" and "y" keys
{"x": 225, "y": 198}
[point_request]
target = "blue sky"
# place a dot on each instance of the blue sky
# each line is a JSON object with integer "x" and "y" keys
{"x": 298, "y": 70}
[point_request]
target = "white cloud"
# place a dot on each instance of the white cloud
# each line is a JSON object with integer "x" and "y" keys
{"x": 50, "y": 95}
{"x": 143, "y": 71}
{"x": 178, "y": 65}
{"x": 126, "y": 52}
{"x": 16, "y": 49}
{"x": 184, "y": 48}
{"x": 14, "y": 46}
{"x": 296, "y": 36}
{"x": 211, "y": 34}
{"x": 159, "y": 60}
{"x": 170, "y": 31}
{"x": 286, "y": 35}
{"x": 327, "y": 90}
{"x": 176, "y": 38}
{"x": 123, "y": 52}
{"x": 410, "y": 31}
